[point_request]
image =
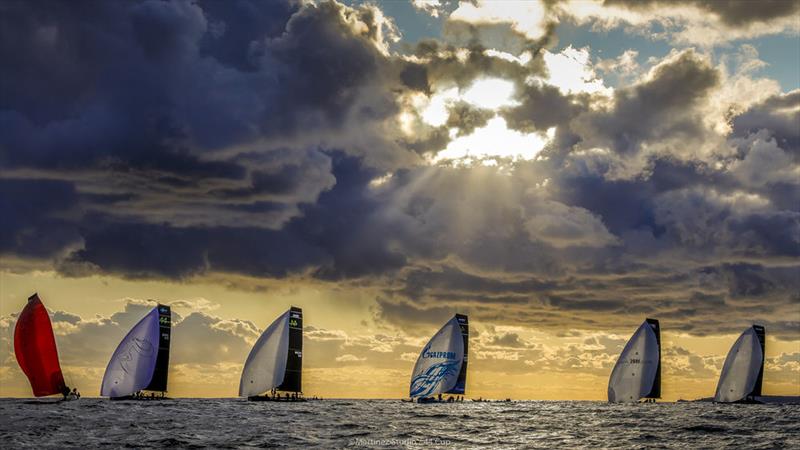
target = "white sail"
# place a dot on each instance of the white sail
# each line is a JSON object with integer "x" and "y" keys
{"x": 741, "y": 368}
{"x": 635, "y": 371}
{"x": 132, "y": 364}
{"x": 439, "y": 364}
{"x": 266, "y": 365}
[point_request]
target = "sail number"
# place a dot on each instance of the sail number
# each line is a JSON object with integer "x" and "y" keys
{"x": 635, "y": 361}
{"x": 293, "y": 322}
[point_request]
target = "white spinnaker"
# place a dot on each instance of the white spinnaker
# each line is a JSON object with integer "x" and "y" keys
{"x": 635, "y": 370}
{"x": 266, "y": 364}
{"x": 741, "y": 368}
{"x": 439, "y": 363}
{"x": 133, "y": 362}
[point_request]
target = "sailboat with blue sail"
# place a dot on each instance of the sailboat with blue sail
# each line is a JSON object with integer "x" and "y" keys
{"x": 273, "y": 370}
{"x": 139, "y": 367}
{"x": 441, "y": 368}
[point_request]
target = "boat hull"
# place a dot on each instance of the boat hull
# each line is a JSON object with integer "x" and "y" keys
{"x": 132, "y": 398}
{"x": 264, "y": 398}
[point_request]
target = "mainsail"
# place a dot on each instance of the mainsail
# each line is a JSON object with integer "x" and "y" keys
{"x": 141, "y": 360}
{"x": 637, "y": 373}
{"x": 276, "y": 360}
{"x": 743, "y": 370}
{"x": 35, "y": 349}
{"x": 441, "y": 366}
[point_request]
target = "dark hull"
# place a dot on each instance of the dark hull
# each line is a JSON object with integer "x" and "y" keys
{"x": 138, "y": 399}
{"x": 434, "y": 400}
{"x": 264, "y": 398}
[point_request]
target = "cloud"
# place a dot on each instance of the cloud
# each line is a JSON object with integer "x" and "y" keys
{"x": 695, "y": 22}
{"x": 349, "y": 358}
{"x": 292, "y": 142}
{"x": 432, "y": 7}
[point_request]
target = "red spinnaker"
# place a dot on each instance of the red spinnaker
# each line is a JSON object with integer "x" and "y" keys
{"x": 35, "y": 347}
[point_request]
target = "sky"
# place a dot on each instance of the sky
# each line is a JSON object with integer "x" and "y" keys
{"x": 557, "y": 170}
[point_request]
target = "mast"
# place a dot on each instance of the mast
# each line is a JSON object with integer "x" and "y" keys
{"x": 36, "y": 351}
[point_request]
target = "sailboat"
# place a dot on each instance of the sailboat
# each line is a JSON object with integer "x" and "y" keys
{"x": 36, "y": 351}
{"x": 637, "y": 373}
{"x": 141, "y": 361}
{"x": 275, "y": 363}
{"x": 442, "y": 365}
{"x": 743, "y": 370}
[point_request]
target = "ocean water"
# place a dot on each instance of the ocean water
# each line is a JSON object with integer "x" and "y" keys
{"x": 234, "y": 423}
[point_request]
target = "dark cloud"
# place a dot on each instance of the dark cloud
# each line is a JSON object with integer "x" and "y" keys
{"x": 36, "y": 217}
{"x": 661, "y": 107}
{"x": 734, "y": 13}
{"x": 467, "y": 118}
{"x": 179, "y": 139}
{"x": 779, "y": 116}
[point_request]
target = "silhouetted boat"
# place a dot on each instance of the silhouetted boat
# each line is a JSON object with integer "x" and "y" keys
{"x": 441, "y": 367}
{"x": 637, "y": 373}
{"x": 743, "y": 371}
{"x": 141, "y": 361}
{"x": 36, "y": 351}
{"x": 275, "y": 363}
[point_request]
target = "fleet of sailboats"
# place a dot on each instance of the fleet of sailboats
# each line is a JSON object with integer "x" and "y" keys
{"x": 139, "y": 367}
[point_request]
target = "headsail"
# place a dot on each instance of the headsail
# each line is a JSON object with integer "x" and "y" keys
{"x": 276, "y": 358}
{"x": 743, "y": 370}
{"x": 439, "y": 365}
{"x": 134, "y": 362}
{"x": 637, "y": 373}
{"x": 35, "y": 349}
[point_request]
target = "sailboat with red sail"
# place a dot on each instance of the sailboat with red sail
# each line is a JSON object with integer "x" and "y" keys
{"x": 37, "y": 355}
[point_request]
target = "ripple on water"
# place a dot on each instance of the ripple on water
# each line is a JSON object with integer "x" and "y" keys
{"x": 234, "y": 423}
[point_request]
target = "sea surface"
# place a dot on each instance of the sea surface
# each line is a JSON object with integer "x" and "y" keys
{"x": 235, "y": 423}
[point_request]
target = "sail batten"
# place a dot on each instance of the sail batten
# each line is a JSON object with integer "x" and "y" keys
{"x": 140, "y": 356}
{"x": 36, "y": 351}
{"x": 439, "y": 366}
{"x": 743, "y": 370}
{"x": 637, "y": 373}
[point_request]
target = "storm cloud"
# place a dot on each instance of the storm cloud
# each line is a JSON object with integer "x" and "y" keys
{"x": 286, "y": 141}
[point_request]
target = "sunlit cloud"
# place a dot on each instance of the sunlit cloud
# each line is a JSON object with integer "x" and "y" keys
{"x": 495, "y": 140}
